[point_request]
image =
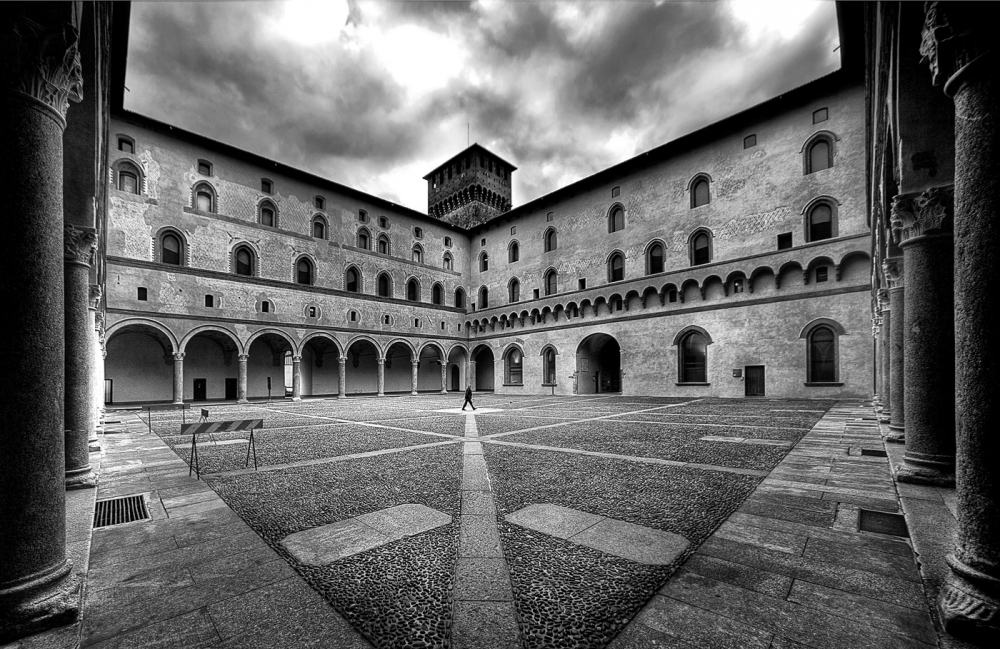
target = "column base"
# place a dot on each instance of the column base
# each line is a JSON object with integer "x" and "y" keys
{"x": 94, "y": 447}
{"x": 970, "y": 604}
{"x": 341, "y": 396}
{"x": 82, "y": 478}
{"x": 380, "y": 394}
{"x": 895, "y": 436}
{"x": 921, "y": 474}
{"x": 45, "y": 602}
{"x": 176, "y": 403}
{"x": 444, "y": 392}
{"x": 413, "y": 393}
{"x": 243, "y": 400}
{"x": 296, "y": 398}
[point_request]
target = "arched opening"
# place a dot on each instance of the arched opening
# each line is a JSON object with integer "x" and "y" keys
{"x": 484, "y": 298}
{"x": 429, "y": 370}
{"x": 820, "y": 222}
{"x": 398, "y": 369}
{"x": 361, "y": 368}
{"x": 457, "y": 379}
{"x": 513, "y": 252}
{"x": 616, "y": 219}
{"x": 550, "y": 240}
{"x": 598, "y": 365}
{"x": 171, "y": 248}
{"x": 699, "y": 192}
{"x": 549, "y": 366}
{"x": 211, "y": 367}
{"x": 413, "y": 290}
{"x": 437, "y": 294}
{"x": 319, "y": 369}
{"x": 384, "y": 285}
{"x": 654, "y": 259}
{"x": 514, "y": 291}
{"x": 822, "y": 352}
{"x": 304, "y": 272}
{"x": 701, "y": 248}
{"x": 352, "y": 280}
{"x": 140, "y": 364}
{"x": 266, "y": 360}
{"x": 513, "y": 367}
{"x": 244, "y": 261}
{"x": 616, "y": 267}
{"x": 484, "y": 360}
{"x": 692, "y": 358}
{"x": 551, "y": 281}
{"x": 459, "y": 298}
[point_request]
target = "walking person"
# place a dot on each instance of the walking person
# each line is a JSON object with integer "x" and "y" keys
{"x": 468, "y": 398}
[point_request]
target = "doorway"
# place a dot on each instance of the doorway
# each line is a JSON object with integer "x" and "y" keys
{"x": 454, "y": 378}
{"x": 200, "y": 390}
{"x": 754, "y": 384}
{"x": 230, "y": 389}
{"x": 598, "y": 365}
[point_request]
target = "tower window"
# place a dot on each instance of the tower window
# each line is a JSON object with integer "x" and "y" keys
{"x": 484, "y": 298}
{"x": 821, "y": 115}
{"x": 701, "y": 248}
{"x": 244, "y": 262}
{"x": 362, "y": 216}
{"x": 210, "y": 301}
{"x": 384, "y": 286}
{"x": 514, "y": 367}
{"x": 364, "y": 239}
{"x": 784, "y": 240}
{"x": 818, "y": 156}
{"x": 413, "y": 290}
{"x": 514, "y": 291}
{"x": 616, "y": 220}
{"x": 513, "y": 252}
{"x": 616, "y": 268}
{"x": 820, "y": 222}
{"x": 549, "y": 216}
{"x": 383, "y": 222}
{"x": 699, "y": 193}
{"x": 383, "y": 244}
{"x": 447, "y": 242}
{"x": 352, "y": 280}
{"x": 654, "y": 259}
{"x": 128, "y": 182}
{"x": 693, "y": 358}
{"x": 484, "y": 262}
{"x": 267, "y": 214}
{"x": 418, "y": 233}
{"x": 551, "y": 282}
{"x": 304, "y": 272}
{"x": 822, "y": 356}
{"x": 616, "y": 192}
{"x": 750, "y": 141}
{"x": 550, "y": 240}
{"x": 204, "y": 167}
{"x": 170, "y": 249}
{"x": 265, "y": 306}
{"x": 126, "y": 144}
{"x": 140, "y": 294}
{"x": 437, "y": 294}
{"x": 319, "y": 227}
{"x": 266, "y": 185}
{"x": 319, "y": 202}
{"x": 513, "y": 230}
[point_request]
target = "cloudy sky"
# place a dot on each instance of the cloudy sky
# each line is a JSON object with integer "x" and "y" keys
{"x": 376, "y": 94}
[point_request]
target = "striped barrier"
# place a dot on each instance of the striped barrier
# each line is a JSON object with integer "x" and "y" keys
{"x": 208, "y": 428}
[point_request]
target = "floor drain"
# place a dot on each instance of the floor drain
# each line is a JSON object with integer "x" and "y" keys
{"x": 883, "y": 523}
{"x": 120, "y": 510}
{"x": 872, "y": 452}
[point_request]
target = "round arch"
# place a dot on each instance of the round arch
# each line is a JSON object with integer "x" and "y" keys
{"x": 277, "y": 332}
{"x": 364, "y": 338}
{"x": 400, "y": 341}
{"x": 431, "y": 344}
{"x": 321, "y": 334}
{"x": 822, "y": 322}
{"x": 216, "y": 328}
{"x": 688, "y": 329}
{"x": 598, "y": 365}
{"x": 122, "y": 325}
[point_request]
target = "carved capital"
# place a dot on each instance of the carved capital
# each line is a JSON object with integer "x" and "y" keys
{"x": 243, "y": 358}
{"x": 952, "y": 37}
{"x": 95, "y": 295}
{"x": 79, "y": 245}
{"x": 296, "y": 359}
{"x": 892, "y": 268}
{"x": 921, "y": 213}
{"x": 342, "y": 361}
{"x": 179, "y": 356}
{"x": 42, "y": 60}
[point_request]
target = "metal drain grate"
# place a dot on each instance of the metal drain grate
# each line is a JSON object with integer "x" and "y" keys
{"x": 873, "y": 452}
{"x": 120, "y": 510}
{"x": 883, "y": 523}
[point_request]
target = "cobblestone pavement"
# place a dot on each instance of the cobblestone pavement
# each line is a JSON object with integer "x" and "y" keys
{"x": 757, "y": 501}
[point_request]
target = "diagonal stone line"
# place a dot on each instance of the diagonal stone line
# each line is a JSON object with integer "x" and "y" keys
{"x": 483, "y": 596}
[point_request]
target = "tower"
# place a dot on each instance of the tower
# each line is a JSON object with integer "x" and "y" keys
{"x": 470, "y": 188}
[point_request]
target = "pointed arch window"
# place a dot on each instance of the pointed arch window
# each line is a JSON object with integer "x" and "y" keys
{"x": 204, "y": 200}
{"x": 514, "y": 290}
{"x": 513, "y": 252}
{"x": 484, "y": 298}
{"x": 700, "y": 194}
{"x": 171, "y": 249}
{"x": 822, "y": 352}
{"x": 459, "y": 298}
{"x": 654, "y": 259}
{"x": 383, "y": 244}
{"x": 514, "y": 367}
{"x": 447, "y": 262}
{"x": 551, "y": 281}
{"x": 616, "y": 219}
{"x": 437, "y": 294}
{"x": 268, "y": 214}
{"x": 484, "y": 262}
{"x": 819, "y": 157}
{"x": 693, "y": 356}
{"x": 352, "y": 280}
{"x": 616, "y": 267}
{"x": 820, "y": 222}
{"x": 364, "y": 239}
{"x": 550, "y": 240}
{"x": 304, "y": 272}
{"x": 128, "y": 180}
{"x": 417, "y": 255}
{"x": 244, "y": 261}
{"x": 319, "y": 227}
{"x": 413, "y": 290}
{"x": 384, "y": 285}
{"x": 549, "y": 366}
{"x": 701, "y": 248}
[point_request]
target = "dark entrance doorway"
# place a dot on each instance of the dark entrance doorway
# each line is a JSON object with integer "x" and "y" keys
{"x": 454, "y": 378}
{"x": 598, "y": 365}
{"x": 200, "y": 390}
{"x": 484, "y": 370}
{"x": 230, "y": 389}
{"x": 754, "y": 383}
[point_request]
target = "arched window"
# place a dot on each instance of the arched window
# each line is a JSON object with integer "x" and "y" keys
{"x": 446, "y": 262}
{"x": 693, "y": 354}
{"x": 484, "y": 262}
{"x": 383, "y": 244}
{"x": 616, "y": 268}
{"x": 203, "y": 197}
{"x": 822, "y": 355}
{"x": 819, "y": 222}
{"x": 129, "y": 179}
{"x": 701, "y": 248}
{"x": 267, "y": 214}
{"x": 364, "y": 239}
{"x": 513, "y": 252}
{"x": 616, "y": 219}
{"x": 549, "y": 366}
{"x": 384, "y": 285}
{"x": 654, "y": 259}
{"x": 417, "y": 255}
{"x": 437, "y": 294}
{"x": 550, "y": 240}
{"x": 304, "y": 272}
{"x": 819, "y": 156}
{"x": 352, "y": 280}
{"x": 514, "y": 367}
{"x": 699, "y": 192}
{"x": 551, "y": 282}
{"x": 244, "y": 261}
{"x": 413, "y": 290}
{"x": 171, "y": 249}
{"x": 459, "y": 298}
{"x": 514, "y": 291}
{"x": 484, "y": 298}
{"x": 319, "y": 226}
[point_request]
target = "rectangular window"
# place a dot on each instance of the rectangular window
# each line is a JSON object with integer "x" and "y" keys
{"x": 616, "y": 192}
{"x": 581, "y": 284}
{"x": 535, "y": 293}
{"x": 319, "y": 202}
{"x": 210, "y": 301}
{"x": 737, "y": 286}
{"x": 549, "y": 216}
{"x": 204, "y": 168}
{"x": 821, "y": 274}
{"x": 141, "y": 294}
{"x": 513, "y": 229}
{"x": 442, "y": 326}
{"x": 447, "y": 242}
{"x": 265, "y": 185}
{"x": 821, "y": 115}
{"x": 354, "y": 316}
{"x": 416, "y": 322}
{"x": 126, "y": 145}
{"x": 784, "y": 241}
{"x": 672, "y": 296}
{"x": 750, "y": 141}
{"x": 265, "y": 307}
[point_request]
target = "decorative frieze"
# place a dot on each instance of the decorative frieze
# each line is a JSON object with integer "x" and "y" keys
{"x": 923, "y": 213}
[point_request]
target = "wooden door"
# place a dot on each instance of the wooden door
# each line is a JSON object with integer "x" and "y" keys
{"x": 754, "y": 380}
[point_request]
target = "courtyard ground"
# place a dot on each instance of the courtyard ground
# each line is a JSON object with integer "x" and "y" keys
{"x": 534, "y": 522}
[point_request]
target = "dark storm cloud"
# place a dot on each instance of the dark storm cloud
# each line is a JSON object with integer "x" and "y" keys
{"x": 560, "y": 90}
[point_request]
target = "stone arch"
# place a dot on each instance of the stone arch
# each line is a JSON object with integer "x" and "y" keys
{"x": 216, "y": 328}
{"x": 321, "y": 334}
{"x": 364, "y": 338}
{"x": 688, "y": 329}
{"x": 277, "y": 332}
{"x": 821, "y": 322}
{"x": 414, "y": 355}
{"x": 432, "y": 344}
{"x": 122, "y": 325}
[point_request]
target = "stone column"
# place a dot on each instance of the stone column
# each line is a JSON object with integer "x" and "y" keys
{"x": 381, "y": 377}
{"x": 885, "y": 354}
{"x": 444, "y": 377}
{"x": 893, "y": 268}
{"x": 296, "y": 378}
{"x": 39, "y": 74}
{"x": 95, "y": 383}
{"x": 413, "y": 377}
{"x": 471, "y": 374}
{"x": 241, "y": 381}
{"x": 178, "y": 377}
{"x": 78, "y": 253}
{"x": 342, "y": 378}
{"x": 970, "y": 599}
{"x": 922, "y": 225}
{"x": 99, "y": 354}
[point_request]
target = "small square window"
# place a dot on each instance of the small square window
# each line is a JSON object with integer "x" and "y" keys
{"x": 672, "y": 296}
{"x": 549, "y": 216}
{"x": 386, "y": 319}
{"x": 616, "y": 192}
{"x": 447, "y": 242}
{"x": 319, "y": 202}
{"x": 205, "y": 168}
{"x": 482, "y": 243}
{"x": 210, "y": 301}
{"x": 416, "y": 322}
{"x": 535, "y": 293}
{"x": 353, "y": 316}
{"x": 581, "y": 284}
{"x": 750, "y": 141}
{"x": 363, "y": 216}
{"x": 126, "y": 145}
{"x": 141, "y": 294}
{"x": 513, "y": 229}
{"x": 737, "y": 286}
{"x": 312, "y": 312}
{"x": 266, "y": 185}
{"x": 821, "y": 115}
{"x": 784, "y": 241}
{"x": 418, "y": 233}
{"x": 821, "y": 274}
{"x": 383, "y": 221}
{"x": 265, "y": 307}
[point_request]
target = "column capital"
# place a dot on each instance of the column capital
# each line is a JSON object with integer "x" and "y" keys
{"x": 41, "y": 61}
{"x": 952, "y": 37}
{"x": 296, "y": 359}
{"x": 415, "y": 363}
{"x": 243, "y": 358}
{"x": 79, "y": 245}
{"x": 381, "y": 361}
{"x": 921, "y": 213}
{"x": 892, "y": 268}
{"x": 95, "y": 295}
{"x": 342, "y": 360}
{"x": 179, "y": 356}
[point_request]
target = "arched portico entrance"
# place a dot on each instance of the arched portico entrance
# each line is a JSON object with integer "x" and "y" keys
{"x": 398, "y": 368}
{"x": 457, "y": 359}
{"x": 139, "y": 366}
{"x": 598, "y": 365}
{"x": 362, "y": 369}
{"x": 429, "y": 378}
{"x": 320, "y": 366}
{"x": 211, "y": 366}
{"x": 484, "y": 359}
{"x": 266, "y": 361}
